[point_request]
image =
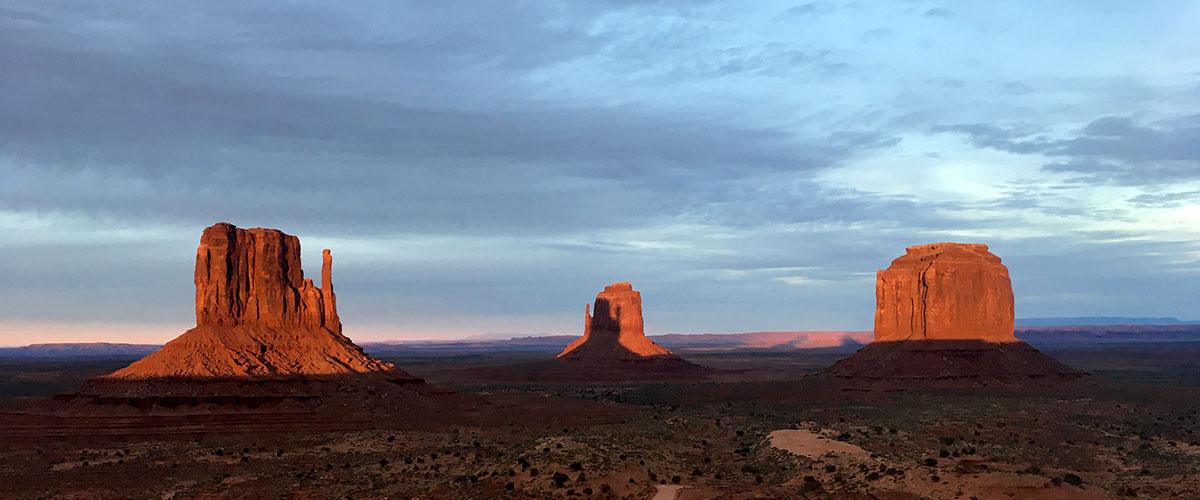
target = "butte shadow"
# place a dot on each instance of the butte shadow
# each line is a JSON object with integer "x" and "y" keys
{"x": 263, "y": 333}
{"x": 944, "y": 319}
{"x": 613, "y": 348}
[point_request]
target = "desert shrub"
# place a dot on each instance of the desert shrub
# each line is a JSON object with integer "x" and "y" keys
{"x": 810, "y": 483}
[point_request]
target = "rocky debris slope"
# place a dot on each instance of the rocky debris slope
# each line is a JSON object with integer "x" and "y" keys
{"x": 949, "y": 364}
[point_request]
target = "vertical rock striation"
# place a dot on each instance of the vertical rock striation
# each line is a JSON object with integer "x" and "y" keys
{"x": 253, "y": 277}
{"x": 944, "y": 291}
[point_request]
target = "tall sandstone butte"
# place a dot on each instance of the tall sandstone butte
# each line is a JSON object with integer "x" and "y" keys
{"x": 615, "y": 330}
{"x": 253, "y": 277}
{"x": 944, "y": 291}
{"x": 944, "y": 319}
{"x": 258, "y": 316}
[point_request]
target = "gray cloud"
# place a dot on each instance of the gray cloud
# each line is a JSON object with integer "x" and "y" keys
{"x": 1017, "y": 88}
{"x": 1108, "y": 149}
{"x": 172, "y": 119}
{"x": 1166, "y": 200}
{"x": 938, "y": 13}
{"x": 489, "y": 165}
{"x": 810, "y": 9}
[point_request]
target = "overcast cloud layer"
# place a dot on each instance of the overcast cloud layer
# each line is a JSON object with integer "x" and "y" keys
{"x": 485, "y": 168}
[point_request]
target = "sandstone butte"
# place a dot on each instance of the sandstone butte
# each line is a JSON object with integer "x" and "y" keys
{"x": 257, "y": 316}
{"x": 613, "y": 329}
{"x": 944, "y": 291}
{"x": 944, "y": 318}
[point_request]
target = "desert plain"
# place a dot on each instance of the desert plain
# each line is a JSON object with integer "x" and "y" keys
{"x": 1128, "y": 429}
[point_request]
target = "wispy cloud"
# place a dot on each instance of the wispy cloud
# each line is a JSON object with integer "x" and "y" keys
{"x": 495, "y": 163}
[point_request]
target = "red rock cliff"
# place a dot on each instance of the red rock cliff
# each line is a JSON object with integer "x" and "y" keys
{"x": 253, "y": 277}
{"x": 944, "y": 291}
{"x": 615, "y": 329}
{"x": 257, "y": 316}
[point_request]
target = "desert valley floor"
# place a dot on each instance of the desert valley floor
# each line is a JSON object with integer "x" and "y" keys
{"x": 1128, "y": 429}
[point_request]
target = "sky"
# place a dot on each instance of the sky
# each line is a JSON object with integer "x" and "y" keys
{"x": 484, "y": 168}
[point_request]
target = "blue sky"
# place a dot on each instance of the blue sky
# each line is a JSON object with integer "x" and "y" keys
{"x": 487, "y": 167}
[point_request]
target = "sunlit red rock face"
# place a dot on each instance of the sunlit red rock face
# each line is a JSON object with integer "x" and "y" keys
{"x": 944, "y": 319}
{"x": 257, "y": 316}
{"x": 253, "y": 276}
{"x": 615, "y": 329}
{"x": 944, "y": 291}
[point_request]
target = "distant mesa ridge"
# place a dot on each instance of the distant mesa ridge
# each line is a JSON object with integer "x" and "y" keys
{"x": 1100, "y": 321}
{"x": 258, "y": 317}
